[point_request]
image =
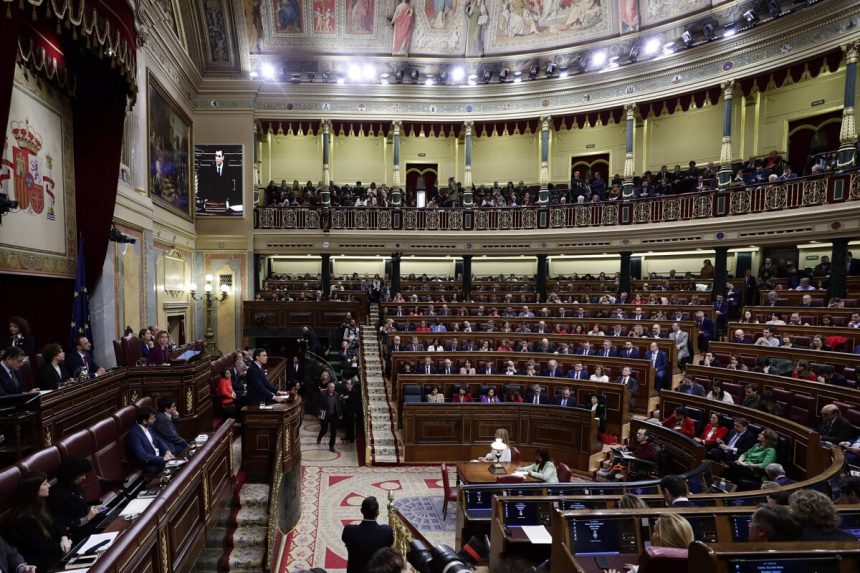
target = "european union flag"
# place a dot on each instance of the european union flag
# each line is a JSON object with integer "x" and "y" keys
{"x": 81, "y": 307}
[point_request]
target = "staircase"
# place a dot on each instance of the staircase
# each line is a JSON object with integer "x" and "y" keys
{"x": 382, "y": 442}
{"x": 238, "y": 542}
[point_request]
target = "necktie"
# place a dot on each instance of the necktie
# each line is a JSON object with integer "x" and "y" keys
{"x": 625, "y": 381}
{"x": 734, "y": 440}
{"x": 605, "y": 353}
{"x": 552, "y": 373}
{"x": 537, "y": 399}
{"x": 447, "y": 371}
{"x": 564, "y": 402}
{"x": 86, "y": 360}
{"x": 428, "y": 370}
{"x": 219, "y": 170}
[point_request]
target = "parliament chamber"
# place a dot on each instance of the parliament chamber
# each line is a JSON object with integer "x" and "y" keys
{"x": 371, "y": 286}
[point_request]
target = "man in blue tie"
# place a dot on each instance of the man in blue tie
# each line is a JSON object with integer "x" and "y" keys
{"x": 10, "y": 377}
{"x": 660, "y": 362}
{"x": 607, "y": 350}
{"x": 565, "y": 399}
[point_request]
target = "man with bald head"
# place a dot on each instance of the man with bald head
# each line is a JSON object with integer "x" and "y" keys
{"x": 832, "y": 426}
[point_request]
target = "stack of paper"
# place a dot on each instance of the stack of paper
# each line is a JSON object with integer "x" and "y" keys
{"x": 537, "y": 534}
{"x": 135, "y": 507}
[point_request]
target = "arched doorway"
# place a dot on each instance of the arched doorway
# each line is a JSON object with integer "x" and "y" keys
{"x": 421, "y": 177}
{"x": 812, "y": 137}
{"x": 587, "y": 165}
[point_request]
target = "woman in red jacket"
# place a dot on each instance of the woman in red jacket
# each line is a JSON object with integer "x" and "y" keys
{"x": 680, "y": 422}
{"x": 713, "y": 432}
{"x": 225, "y": 388}
{"x": 464, "y": 395}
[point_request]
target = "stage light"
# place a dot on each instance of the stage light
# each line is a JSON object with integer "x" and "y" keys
{"x": 708, "y": 32}
{"x": 295, "y": 77}
{"x": 598, "y": 58}
{"x": 563, "y": 72}
{"x": 729, "y": 31}
{"x": 429, "y": 81}
{"x": 486, "y": 76}
{"x": 751, "y": 16}
{"x": 457, "y": 74}
{"x": 518, "y": 77}
{"x": 312, "y": 76}
{"x": 503, "y": 75}
{"x": 413, "y": 75}
{"x": 633, "y": 56}
{"x": 775, "y": 9}
{"x": 443, "y": 77}
{"x": 383, "y": 79}
{"x": 341, "y": 80}
{"x": 368, "y": 72}
{"x": 652, "y": 46}
{"x": 353, "y": 72}
{"x": 550, "y": 70}
{"x": 267, "y": 70}
{"x": 533, "y": 71}
{"x": 687, "y": 38}
{"x": 253, "y": 75}
{"x": 398, "y": 76}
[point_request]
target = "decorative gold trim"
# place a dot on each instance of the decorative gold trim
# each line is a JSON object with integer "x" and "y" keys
{"x": 163, "y": 551}
{"x": 47, "y": 437}
{"x": 205, "y": 483}
{"x": 189, "y": 401}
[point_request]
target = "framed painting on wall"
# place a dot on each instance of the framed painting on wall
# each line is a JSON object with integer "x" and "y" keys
{"x": 168, "y": 151}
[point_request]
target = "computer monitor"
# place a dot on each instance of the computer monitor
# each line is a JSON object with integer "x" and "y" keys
{"x": 603, "y": 536}
{"x": 740, "y": 527}
{"x": 185, "y": 356}
{"x": 704, "y": 527}
{"x": 746, "y": 501}
{"x": 521, "y": 512}
{"x": 479, "y": 502}
{"x": 785, "y": 565}
{"x": 519, "y": 491}
{"x": 851, "y": 523}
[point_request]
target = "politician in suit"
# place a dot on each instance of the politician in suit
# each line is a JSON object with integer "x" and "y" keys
{"x": 10, "y": 377}
{"x": 144, "y": 446}
{"x": 220, "y": 182}
{"x": 565, "y": 399}
{"x": 536, "y": 391}
{"x": 833, "y": 426}
{"x": 660, "y": 362}
{"x": 578, "y": 372}
{"x": 364, "y": 539}
{"x": 707, "y": 331}
{"x": 81, "y": 355}
{"x": 553, "y": 370}
{"x": 259, "y": 389}
{"x": 682, "y": 343}
{"x": 629, "y": 351}
{"x": 739, "y": 440}
{"x": 11, "y": 560}
{"x": 165, "y": 426}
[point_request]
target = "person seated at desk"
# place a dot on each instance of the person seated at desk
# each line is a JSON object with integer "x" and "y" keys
{"x": 679, "y": 422}
{"x": 670, "y": 530}
{"x": 38, "y": 537}
{"x": 505, "y": 457}
{"x": 259, "y": 389}
{"x": 165, "y": 425}
{"x": 598, "y": 410}
{"x": 490, "y": 397}
{"x": 435, "y": 395}
{"x": 81, "y": 357}
{"x": 817, "y": 515}
{"x": 543, "y": 469}
{"x": 713, "y": 432}
{"x": 739, "y": 440}
{"x": 463, "y": 395}
{"x": 146, "y": 341}
{"x": 750, "y": 464}
{"x": 51, "y": 374}
{"x": 160, "y": 353}
{"x": 772, "y": 522}
{"x": 67, "y": 501}
{"x": 144, "y": 446}
{"x": 10, "y": 377}
{"x": 12, "y": 561}
{"x": 226, "y": 392}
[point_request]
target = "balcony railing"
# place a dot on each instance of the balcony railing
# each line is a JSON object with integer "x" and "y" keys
{"x": 794, "y": 194}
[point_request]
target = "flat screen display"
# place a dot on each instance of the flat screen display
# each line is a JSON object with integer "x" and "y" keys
{"x": 704, "y": 527}
{"x": 479, "y": 502}
{"x": 740, "y": 527}
{"x": 603, "y": 536}
{"x": 520, "y": 513}
{"x": 744, "y": 501}
{"x": 574, "y": 504}
{"x": 851, "y": 524}
{"x": 787, "y": 565}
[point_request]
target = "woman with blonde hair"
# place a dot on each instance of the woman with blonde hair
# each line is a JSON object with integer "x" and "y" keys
{"x": 501, "y": 434}
{"x": 672, "y": 530}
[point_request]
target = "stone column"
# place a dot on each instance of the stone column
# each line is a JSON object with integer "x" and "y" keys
{"x": 325, "y": 275}
{"x": 624, "y": 279}
{"x": 467, "y": 277}
{"x": 720, "y": 271}
{"x": 846, "y": 158}
{"x": 395, "y": 273}
{"x": 543, "y": 194}
{"x": 541, "y": 277}
{"x": 467, "y": 198}
{"x": 325, "y": 196}
{"x": 838, "y": 269}
{"x": 725, "y": 174}
{"x": 629, "y": 170}
{"x": 396, "y": 191}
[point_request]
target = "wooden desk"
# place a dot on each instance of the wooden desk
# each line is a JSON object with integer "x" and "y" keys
{"x": 260, "y": 431}
{"x": 274, "y": 319}
{"x": 479, "y": 472}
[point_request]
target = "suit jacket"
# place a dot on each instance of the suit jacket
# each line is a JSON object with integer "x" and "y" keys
{"x": 140, "y": 451}
{"x": 158, "y": 356}
{"x": 633, "y": 353}
{"x": 542, "y": 398}
{"x": 25, "y": 343}
{"x": 745, "y": 442}
{"x": 226, "y": 187}
{"x": 571, "y": 401}
{"x": 10, "y": 384}
{"x": 662, "y": 360}
{"x": 581, "y": 375}
{"x": 556, "y": 373}
{"x": 707, "y": 327}
{"x": 259, "y": 389}
{"x": 602, "y": 352}
{"x": 166, "y": 429}
{"x": 74, "y": 363}
{"x": 840, "y": 430}
{"x": 632, "y": 383}
{"x": 422, "y": 369}
{"x": 719, "y": 434}
{"x": 10, "y": 559}
{"x": 362, "y": 540}
{"x": 583, "y": 352}
{"x": 682, "y": 340}
{"x": 683, "y": 503}
{"x": 47, "y": 378}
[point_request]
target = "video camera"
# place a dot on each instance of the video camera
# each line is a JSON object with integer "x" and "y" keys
{"x": 443, "y": 559}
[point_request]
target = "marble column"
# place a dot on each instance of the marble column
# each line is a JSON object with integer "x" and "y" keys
{"x": 325, "y": 275}
{"x": 396, "y": 192}
{"x": 725, "y": 173}
{"x": 847, "y": 157}
{"x": 541, "y": 277}
{"x": 467, "y": 277}
{"x": 395, "y": 273}
{"x": 468, "y": 198}
{"x": 629, "y": 170}
{"x": 836, "y": 286}
{"x": 325, "y": 194}
{"x": 721, "y": 273}
{"x": 543, "y": 194}
{"x": 624, "y": 277}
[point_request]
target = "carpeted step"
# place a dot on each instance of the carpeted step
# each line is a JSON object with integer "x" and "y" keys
{"x": 250, "y": 536}
{"x": 246, "y": 559}
{"x": 255, "y": 515}
{"x": 254, "y": 495}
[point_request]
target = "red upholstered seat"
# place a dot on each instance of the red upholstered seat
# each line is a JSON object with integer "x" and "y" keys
{"x": 9, "y": 480}
{"x": 81, "y": 444}
{"x": 118, "y": 353}
{"x": 45, "y": 461}
{"x": 511, "y": 478}
{"x": 450, "y": 493}
{"x": 563, "y": 472}
{"x": 663, "y": 560}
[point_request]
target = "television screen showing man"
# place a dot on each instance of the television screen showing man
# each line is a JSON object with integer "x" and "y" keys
{"x": 219, "y": 180}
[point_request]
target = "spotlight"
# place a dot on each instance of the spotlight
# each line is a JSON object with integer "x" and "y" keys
{"x": 383, "y": 79}
{"x": 368, "y": 72}
{"x": 668, "y": 48}
{"x": 443, "y": 77}
{"x": 708, "y": 32}
{"x": 486, "y": 76}
{"x": 598, "y": 59}
{"x": 550, "y": 70}
{"x": 413, "y": 75}
{"x": 457, "y": 74}
{"x": 503, "y": 75}
{"x": 354, "y": 72}
{"x": 582, "y": 65}
{"x": 253, "y": 75}
{"x": 633, "y": 56}
{"x": 518, "y": 77}
{"x": 652, "y": 46}
{"x": 473, "y": 79}
{"x": 687, "y": 38}
{"x": 775, "y": 9}
{"x": 326, "y": 77}
{"x": 429, "y": 81}
{"x": 267, "y": 70}
{"x": 563, "y": 72}
{"x": 533, "y": 71}
{"x": 340, "y": 79}
{"x": 311, "y": 76}
{"x": 295, "y": 77}
{"x": 729, "y": 30}
{"x": 398, "y": 76}
{"x": 751, "y": 16}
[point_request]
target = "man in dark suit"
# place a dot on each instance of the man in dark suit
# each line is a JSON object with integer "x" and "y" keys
{"x": 689, "y": 386}
{"x": 675, "y": 492}
{"x": 364, "y": 539}
{"x": 739, "y": 440}
{"x": 81, "y": 355}
{"x": 707, "y": 332}
{"x": 12, "y": 561}
{"x": 834, "y": 427}
{"x": 553, "y": 370}
{"x": 144, "y": 446}
{"x": 776, "y": 473}
{"x": 607, "y": 350}
{"x": 10, "y": 377}
{"x": 565, "y": 399}
{"x": 629, "y": 351}
{"x": 585, "y": 349}
{"x": 578, "y": 372}
{"x": 331, "y": 413}
{"x": 221, "y": 183}
{"x": 660, "y": 362}
{"x": 166, "y": 428}
{"x": 536, "y": 395}
{"x": 427, "y": 367}
{"x": 295, "y": 372}
{"x": 750, "y": 288}
{"x": 259, "y": 389}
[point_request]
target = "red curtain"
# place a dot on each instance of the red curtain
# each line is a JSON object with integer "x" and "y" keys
{"x": 9, "y": 26}
{"x": 46, "y": 303}
{"x": 99, "y": 114}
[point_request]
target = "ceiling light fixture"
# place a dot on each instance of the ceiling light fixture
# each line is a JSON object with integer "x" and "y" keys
{"x": 486, "y": 76}
{"x": 563, "y": 72}
{"x": 413, "y": 75}
{"x": 533, "y": 71}
{"x": 582, "y": 65}
{"x": 457, "y": 74}
{"x": 687, "y": 38}
{"x": 429, "y": 81}
{"x": 729, "y": 30}
{"x": 652, "y": 46}
{"x": 353, "y": 72}
{"x": 633, "y": 55}
{"x": 550, "y": 70}
{"x": 503, "y": 75}
{"x": 775, "y": 9}
{"x": 267, "y": 70}
{"x": 383, "y": 79}
{"x": 598, "y": 58}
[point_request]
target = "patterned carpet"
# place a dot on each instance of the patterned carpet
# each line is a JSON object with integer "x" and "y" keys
{"x": 332, "y": 491}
